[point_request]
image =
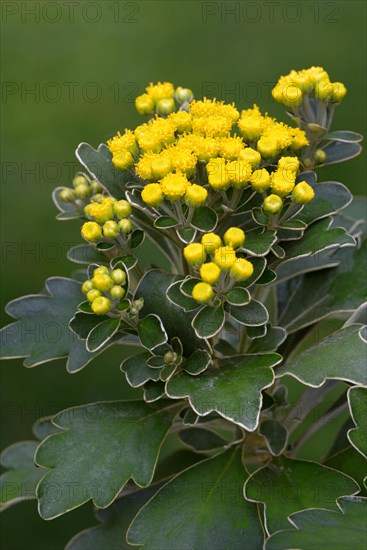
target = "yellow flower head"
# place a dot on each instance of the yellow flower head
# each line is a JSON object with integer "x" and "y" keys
{"x": 241, "y": 269}
{"x": 194, "y": 254}
{"x": 282, "y": 182}
{"x": 144, "y": 104}
{"x": 210, "y": 273}
{"x": 268, "y": 147}
{"x": 119, "y": 143}
{"x": 230, "y": 147}
{"x": 174, "y": 186}
{"x": 162, "y": 90}
{"x": 272, "y": 204}
{"x": 123, "y": 160}
{"x": 144, "y": 166}
{"x": 183, "y": 160}
{"x": 91, "y": 231}
{"x": 208, "y": 107}
{"x": 251, "y": 156}
{"x": 260, "y": 180}
{"x": 299, "y": 139}
{"x": 217, "y": 174}
{"x": 152, "y": 194}
{"x": 182, "y": 121}
{"x": 196, "y": 195}
{"x": 238, "y": 173}
{"x": 251, "y": 123}
{"x": 224, "y": 257}
{"x": 339, "y": 92}
{"x": 303, "y": 193}
{"x": 212, "y": 126}
{"x": 161, "y": 165}
{"x": 202, "y": 292}
{"x": 211, "y": 242}
{"x": 102, "y": 211}
{"x": 234, "y": 237}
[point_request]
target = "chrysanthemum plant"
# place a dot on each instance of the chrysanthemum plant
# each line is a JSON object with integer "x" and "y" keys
{"x": 248, "y": 331}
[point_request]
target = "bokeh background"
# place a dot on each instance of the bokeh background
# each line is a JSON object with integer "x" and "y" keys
{"x": 71, "y": 71}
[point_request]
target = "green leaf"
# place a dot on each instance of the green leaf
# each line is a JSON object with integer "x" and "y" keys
{"x": 233, "y": 390}
{"x": 165, "y": 222}
{"x": 180, "y": 299}
{"x": 204, "y": 219}
{"x": 208, "y": 321}
{"x": 136, "y": 238}
{"x": 153, "y": 391}
{"x": 338, "y": 151}
{"x": 330, "y": 197}
{"x": 299, "y": 266}
{"x": 153, "y": 287}
{"x": 103, "y": 445}
{"x": 351, "y": 463}
{"x": 98, "y": 162}
{"x": 212, "y": 513}
{"x": 340, "y": 356}
{"x": 295, "y": 485}
{"x": 86, "y": 254}
{"x": 253, "y": 314}
{"x": 334, "y": 530}
{"x": 114, "y": 523}
{"x": 20, "y": 481}
{"x": 275, "y": 435}
{"x": 83, "y": 323}
{"x": 201, "y": 439}
{"x": 238, "y": 296}
{"x": 197, "y": 362}
{"x": 271, "y": 341}
{"x": 258, "y": 242}
{"x": 42, "y": 331}
{"x": 137, "y": 371}
{"x": 151, "y": 332}
{"x": 325, "y": 292}
{"x": 343, "y": 135}
{"x": 357, "y": 399}
{"x": 186, "y": 235}
{"x": 128, "y": 261}
{"x": 101, "y": 334}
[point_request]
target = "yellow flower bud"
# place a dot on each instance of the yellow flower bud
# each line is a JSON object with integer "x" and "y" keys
{"x": 320, "y": 156}
{"x": 118, "y": 276}
{"x": 102, "y": 282}
{"x": 251, "y": 156}
{"x": 92, "y": 232}
{"x": 260, "y": 180}
{"x": 292, "y": 96}
{"x": 101, "y": 305}
{"x": 122, "y": 209}
{"x": 123, "y": 160}
{"x": 196, "y": 195}
{"x": 87, "y": 286}
{"x": 211, "y": 242}
{"x": 82, "y": 191}
{"x": 234, "y": 237}
{"x": 339, "y": 91}
{"x": 152, "y": 194}
{"x": 117, "y": 292}
{"x": 268, "y": 147}
{"x": 67, "y": 195}
{"x": 80, "y": 180}
{"x": 101, "y": 269}
{"x": 272, "y": 204}
{"x": 174, "y": 186}
{"x": 194, "y": 254}
{"x": 103, "y": 211}
{"x": 238, "y": 173}
{"x": 144, "y": 104}
{"x": 323, "y": 90}
{"x": 93, "y": 294}
{"x": 165, "y": 106}
{"x": 125, "y": 225}
{"x": 160, "y": 167}
{"x": 111, "y": 229}
{"x": 217, "y": 174}
{"x": 202, "y": 293}
{"x": 95, "y": 187}
{"x": 303, "y": 193}
{"x": 241, "y": 270}
{"x": 224, "y": 257}
{"x": 210, "y": 273}
{"x": 282, "y": 184}
{"x": 149, "y": 142}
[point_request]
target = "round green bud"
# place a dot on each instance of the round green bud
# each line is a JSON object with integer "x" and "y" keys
{"x": 272, "y": 204}
{"x": 183, "y": 95}
{"x": 82, "y": 191}
{"x": 165, "y": 106}
{"x": 122, "y": 209}
{"x": 111, "y": 229}
{"x": 87, "y": 286}
{"x": 67, "y": 195}
{"x": 97, "y": 197}
{"x": 118, "y": 276}
{"x": 91, "y": 231}
{"x": 93, "y": 294}
{"x": 117, "y": 292}
{"x": 320, "y": 156}
{"x": 80, "y": 180}
{"x": 95, "y": 187}
{"x": 102, "y": 282}
{"x": 101, "y": 305}
{"x": 170, "y": 357}
{"x": 101, "y": 269}
{"x": 125, "y": 225}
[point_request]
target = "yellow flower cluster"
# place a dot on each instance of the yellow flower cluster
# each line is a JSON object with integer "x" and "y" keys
{"x": 160, "y": 98}
{"x": 315, "y": 81}
{"x": 83, "y": 190}
{"x": 110, "y": 218}
{"x": 224, "y": 259}
{"x": 105, "y": 289}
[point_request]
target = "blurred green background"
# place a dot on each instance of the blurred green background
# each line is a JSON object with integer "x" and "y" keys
{"x": 70, "y": 73}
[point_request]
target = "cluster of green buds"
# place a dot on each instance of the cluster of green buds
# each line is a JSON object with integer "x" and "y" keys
{"x": 162, "y": 99}
{"x": 83, "y": 191}
{"x": 110, "y": 219}
{"x": 224, "y": 267}
{"x": 105, "y": 289}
